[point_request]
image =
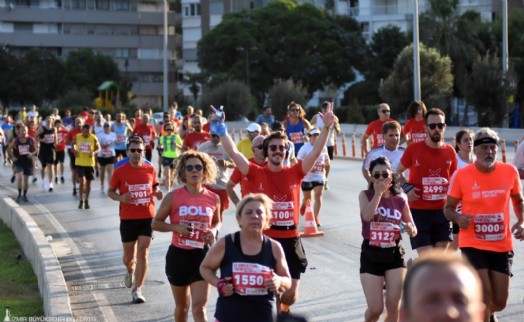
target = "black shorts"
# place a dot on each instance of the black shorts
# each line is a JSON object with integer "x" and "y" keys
{"x": 168, "y": 162}
{"x": 123, "y": 153}
{"x": 72, "y": 159}
{"x": 183, "y": 265}
{"x": 105, "y": 161}
{"x": 60, "y": 157}
{"x": 432, "y": 227}
{"x": 330, "y": 152}
{"x": 47, "y": 157}
{"x": 308, "y": 186}
{"x": 149, "y": 155}
{"x": 484, "y": 259}
{"x": 376, "y": 260}
{"x": 27, "y": 170}
{"x": 87, "y": 172}
{"x": 131, "y": 229}
{"x": 295, "y": 255}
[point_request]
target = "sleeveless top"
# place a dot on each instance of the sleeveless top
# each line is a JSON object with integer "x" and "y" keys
{"x": 21, "y": 150}
{"x": 121, "y": 135}
{"x": 295, "y": 134}
{"x": 47, "y": 139}
{"x": 251, "y": 301}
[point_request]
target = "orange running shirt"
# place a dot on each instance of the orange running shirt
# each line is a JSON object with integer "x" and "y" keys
{"x": 140, "y": 182}
{"x": 486, "y": 196}
{"x": 283, "y": 188}
{"x": 194, "y": 139}
{"x": 416, "y": 130}
{"x": 430, "y": 171}
{"x": 197, "y": 210}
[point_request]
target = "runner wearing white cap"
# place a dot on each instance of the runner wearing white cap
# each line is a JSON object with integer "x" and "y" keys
{"x": 245, "y": 145}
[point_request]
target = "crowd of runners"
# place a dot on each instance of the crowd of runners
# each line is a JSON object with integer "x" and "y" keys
{"x": 453, "y": 199}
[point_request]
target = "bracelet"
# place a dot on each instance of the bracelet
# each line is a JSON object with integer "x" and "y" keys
{"x": 220, "y": 284}
{"x": 327, "y": 127}
{"x": 407, "y": 187}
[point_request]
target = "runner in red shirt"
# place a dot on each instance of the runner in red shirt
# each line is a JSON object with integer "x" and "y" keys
{"x": 282, "y": 185}
{"x": 193, "y": 139}
{"x": 414, "y": 128}
{"x": 147, "y": 132}
{"x": 60, "y": 150}
{"x": 431, "y": 164}
{"x": 137, "y": 184}
{"x": 374, "y": 128}
{"x": 485, "y": 188}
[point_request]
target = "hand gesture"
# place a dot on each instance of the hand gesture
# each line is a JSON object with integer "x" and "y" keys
{"x": 328, "y": 118}
{"x": 381, "y": 186}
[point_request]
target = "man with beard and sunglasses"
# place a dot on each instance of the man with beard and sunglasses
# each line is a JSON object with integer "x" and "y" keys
{"x": 281, "y": 184}
{"x": 431, "y": 163}
{"x": 485, "y": 189}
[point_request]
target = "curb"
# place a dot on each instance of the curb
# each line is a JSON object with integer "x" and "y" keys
{"x": 38, "y": 251}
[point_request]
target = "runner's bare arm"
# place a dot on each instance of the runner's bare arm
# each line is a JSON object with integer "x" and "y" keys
{"x": 518, "y": 208}
{"x": 320, "y": 143}
{"x": 230, "y": 188}
{"x": 450, "y": 211}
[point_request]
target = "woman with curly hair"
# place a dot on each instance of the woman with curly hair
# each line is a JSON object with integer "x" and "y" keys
{"x": 194, "y": 219}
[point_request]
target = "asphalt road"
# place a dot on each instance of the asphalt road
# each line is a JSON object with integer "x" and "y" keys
{"x": 87, "y": 243}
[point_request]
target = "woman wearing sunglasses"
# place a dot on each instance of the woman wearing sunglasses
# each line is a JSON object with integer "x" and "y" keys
{"x": 194, "y": 218}
{"x": 384, "y": 214}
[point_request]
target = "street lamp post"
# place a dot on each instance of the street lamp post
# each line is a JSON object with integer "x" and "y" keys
{"x": 416, "y": 56}
{"x": 165, "y": 57}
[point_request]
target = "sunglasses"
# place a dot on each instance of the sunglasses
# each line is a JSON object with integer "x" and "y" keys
{"x": 169, "y": 129}
{"x": 135, "y": 150}
{"x": 385, "y": 111}
{"x": 377, "y": 175}
{"x": 434, "y": 125}
{"x": 197, "y": 167}
{"x": 293, "y": 110}
{"x": 281, "y": 148}
{"x": 260, "y": 146}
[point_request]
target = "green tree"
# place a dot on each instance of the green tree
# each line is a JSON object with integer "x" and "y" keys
{"x": 284, "y": 41}
{"x": 194, "y": 82}
{"x": 87, "y": 69}
{"x": 488, "y": 90}
{"x": 8, "y": 77}
{"x": 45, "y": 82}
{"x": 281, "y": 94}
{"x": 453, "y": 34}
{"x": 234, "y": 96}
{"x": 436, "y": 79}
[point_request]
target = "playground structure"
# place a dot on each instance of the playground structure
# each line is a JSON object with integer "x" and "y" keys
{"x": 108, "y": 96}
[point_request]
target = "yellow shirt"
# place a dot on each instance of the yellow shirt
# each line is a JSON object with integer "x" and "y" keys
{"x": 83, "y": 146}
{"x": 244, "y": 147}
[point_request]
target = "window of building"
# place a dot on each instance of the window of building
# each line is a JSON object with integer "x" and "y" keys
{"x": 191, "y": 10}
{"x": 216, "y": 7}
{"x": 102, "y": 4}
{"x": 78, "y": 4}
{"x": 146, "y": 53}
{"x": 122, "y": 53}
{"x": 23, "y": 27}
{"x": 122, "y": 5}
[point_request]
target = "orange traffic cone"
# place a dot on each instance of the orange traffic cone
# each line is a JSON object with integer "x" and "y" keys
{"x": 310, "y": 228}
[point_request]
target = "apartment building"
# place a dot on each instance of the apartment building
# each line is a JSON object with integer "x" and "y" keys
{"x": 129, "y": 31}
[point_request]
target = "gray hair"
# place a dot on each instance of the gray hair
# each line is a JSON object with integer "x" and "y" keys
{"x": 486, "y": 131}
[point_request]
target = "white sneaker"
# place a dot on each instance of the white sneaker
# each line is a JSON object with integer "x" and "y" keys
{"x": 102, "y": 190}
{"x": 42, "y": 185}
{"x": 51, "y": 187}
{"x": 138, "y": 297}
{"x": 129, "y": 279}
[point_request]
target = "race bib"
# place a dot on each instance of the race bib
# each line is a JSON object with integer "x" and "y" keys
{"x": 249, "y": 278}
{"x": 318, "y": 167}
{"x": 107, "y": 152}
{"x": 49, "y": 138}
{"x": 380, "y": 140}
{"x": 23, "y": 149}
{"x": 84, "y": 147}
{"x": 140, "y": 193}
{"x": 196, "y": 240}
{"x": 417, "y": 137}
{"x": 383, "y": 234}
{"x": 147, "y": 139}
{"x": 283, "y": 214}
{"x": 296, "y": 137}
{"x": 434, "y": 188}
{"x": 120, "y": 138}
{"x": 489, "y": 227}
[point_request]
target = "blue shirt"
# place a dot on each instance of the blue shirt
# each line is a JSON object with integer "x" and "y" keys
{"x": 263, "y": 119}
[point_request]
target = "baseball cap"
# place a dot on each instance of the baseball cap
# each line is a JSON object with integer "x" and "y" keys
{"x": 254, "y": 127}
{"x": 314, "y": 131}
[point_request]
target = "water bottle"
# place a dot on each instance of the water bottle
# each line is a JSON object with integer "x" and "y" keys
{"x": 7, "y": 314}
{"x": 217, "y": 126}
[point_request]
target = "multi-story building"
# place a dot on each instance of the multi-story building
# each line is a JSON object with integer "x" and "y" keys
{"x": 129, "y": 31}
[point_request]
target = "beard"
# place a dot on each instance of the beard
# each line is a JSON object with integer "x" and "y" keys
{"x": 437, "y": 137}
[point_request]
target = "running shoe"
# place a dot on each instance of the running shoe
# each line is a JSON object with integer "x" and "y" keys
{"x": 13, "y": 179}
{"x": 81, "y": 205}
{"x": 138, "y": 297}
{"x": 493, "y": 318}
{"x": 326, "y": 187}
{"x": 42, "y": 185}
{"x": 302, "y": 210}
{"x": 102, "y": 190}
{"x": 318, "y": 222}
{"x": 129, "y": 279}
{"x": 34, "y": 180}
{"x": 19, "y": 198}
{"x": 24, "y": 199}
{"x": 74, "y": 191}
{"x": 62, "y": 180}
{"x": 50, "y": 187}
{"x": 86, "y": 204}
